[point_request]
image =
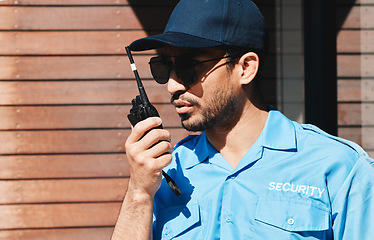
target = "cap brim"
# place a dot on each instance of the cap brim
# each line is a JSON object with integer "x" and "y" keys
{"x": 174, "y": 39}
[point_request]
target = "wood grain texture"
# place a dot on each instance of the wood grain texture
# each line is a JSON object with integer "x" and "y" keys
{"x": 82, "y": 18}
{"x": 63, "y": 190}
{"x": 71, "y": 67}
{"x": 355, "y": 72}
{"x": 70, "y": 141}
{"x": 355, "y": 65}
{"x": 356, "y": 2}
{"x": 359, "y": 17}
{"x": 355, "y": 41}
{"x": 358, "y": 114}
{"x": 59, "y": 215}
{"x": 65, "y": 166}
{"x": 65, "y": 90}
{"x": 76, "y": 117}
{"x": 68, "y": 42}
{"x": 355, "y": 90}
{"x": 86, "y": 2}
{"x": 77, "y": 92}
{"x": 99, "y": 233}
{"x": 360, "y": 135}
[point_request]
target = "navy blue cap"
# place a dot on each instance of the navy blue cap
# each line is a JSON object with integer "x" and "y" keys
{"x": 210, "y": 23}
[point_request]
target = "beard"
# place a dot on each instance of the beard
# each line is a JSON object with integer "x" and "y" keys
{"x": 222, "y": 110}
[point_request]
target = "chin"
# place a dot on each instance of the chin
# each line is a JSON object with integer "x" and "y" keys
{"x": 193, "y": 124}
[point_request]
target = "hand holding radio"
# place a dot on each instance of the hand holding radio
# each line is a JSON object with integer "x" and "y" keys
{"x": 141, "y": 110}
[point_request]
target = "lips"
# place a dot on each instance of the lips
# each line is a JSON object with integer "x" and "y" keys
{"x": 182, "y": 106}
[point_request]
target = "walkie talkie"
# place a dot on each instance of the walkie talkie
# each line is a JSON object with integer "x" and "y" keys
{"x": 142, "y": 109}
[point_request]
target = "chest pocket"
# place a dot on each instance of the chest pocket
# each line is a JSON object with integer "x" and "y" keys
{"x": 293, "y": 215}
{"x": 179, "y": 223}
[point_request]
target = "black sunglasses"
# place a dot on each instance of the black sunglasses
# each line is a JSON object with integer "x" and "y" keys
{"x": 184, "y": 68}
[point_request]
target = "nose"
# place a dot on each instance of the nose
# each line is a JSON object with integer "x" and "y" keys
{"x": 175, "y": 84}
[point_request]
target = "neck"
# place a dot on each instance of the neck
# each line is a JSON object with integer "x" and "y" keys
{"x": 235, "y": 141}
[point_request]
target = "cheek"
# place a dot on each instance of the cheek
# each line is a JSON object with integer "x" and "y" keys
{"x": 197, "y": 90}
{"x": 210, "y": 89}
{"x": 217, "y": 98}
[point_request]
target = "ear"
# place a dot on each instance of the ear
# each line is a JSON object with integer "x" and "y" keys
{"x": 249, "y": 64}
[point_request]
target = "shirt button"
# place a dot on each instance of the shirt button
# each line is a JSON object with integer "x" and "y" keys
{"x": 290, "y": 221}
{"x": 228, "y": 219}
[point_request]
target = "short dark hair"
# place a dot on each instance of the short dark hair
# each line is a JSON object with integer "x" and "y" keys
{"x": 236, "y": 52}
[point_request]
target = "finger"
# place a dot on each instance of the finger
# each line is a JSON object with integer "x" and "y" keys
{"x": 158, "y": 164}
{"x": 154, "y": 136}
{"x": 159, "y": 149}
{"x": 154, "y": 144}
{"x": 147, "y": 164}
{"x": 164, "y": 160}
{"x": 142, "y": 127}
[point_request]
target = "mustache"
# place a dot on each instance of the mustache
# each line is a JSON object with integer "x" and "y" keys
{"x": 174, "y": 96}
{"x": 180, "y": 96}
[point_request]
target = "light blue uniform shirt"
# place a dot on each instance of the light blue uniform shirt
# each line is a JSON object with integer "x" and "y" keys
{"x": 295, "y": 182}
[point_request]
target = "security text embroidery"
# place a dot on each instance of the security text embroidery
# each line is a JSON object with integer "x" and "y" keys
{"x": 296, "y": 188}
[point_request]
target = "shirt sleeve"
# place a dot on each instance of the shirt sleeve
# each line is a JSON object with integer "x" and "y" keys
{"x": 353, "y": 206}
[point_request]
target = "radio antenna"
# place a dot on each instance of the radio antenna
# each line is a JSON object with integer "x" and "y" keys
{"x": 142, "y": 92}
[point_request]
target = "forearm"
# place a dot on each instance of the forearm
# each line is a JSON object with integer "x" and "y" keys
{"x": 147, "y": 155}
{"x": 135, "y": 218}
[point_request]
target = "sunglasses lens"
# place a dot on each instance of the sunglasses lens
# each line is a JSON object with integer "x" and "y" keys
{"x": 160, "y": 69}
{"x": 187, "y": 76}
{"x": 185, "y": 70}
{"x": 183, "y": 67}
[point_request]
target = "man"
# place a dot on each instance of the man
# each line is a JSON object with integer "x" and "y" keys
{"x": 252, "y": 173}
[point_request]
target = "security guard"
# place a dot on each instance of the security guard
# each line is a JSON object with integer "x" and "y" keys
{"x": 252, "y": 173}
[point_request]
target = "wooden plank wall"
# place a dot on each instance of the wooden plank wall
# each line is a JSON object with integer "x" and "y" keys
{"x": 355, "y": 46}
{"x": 65, "y": 89}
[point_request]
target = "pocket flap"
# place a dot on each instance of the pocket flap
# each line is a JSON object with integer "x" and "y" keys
{"x": 185, "y": 219}
{"x": 293, "y": 215}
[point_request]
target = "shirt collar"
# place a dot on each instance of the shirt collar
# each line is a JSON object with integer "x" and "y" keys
{"x": 278, "y": 134}
{"x": 201, "y": 151}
